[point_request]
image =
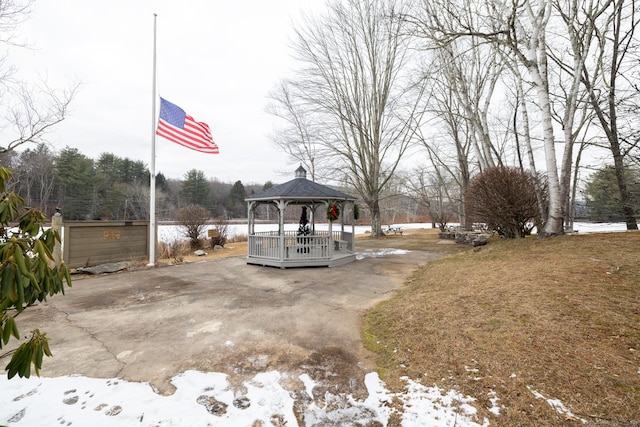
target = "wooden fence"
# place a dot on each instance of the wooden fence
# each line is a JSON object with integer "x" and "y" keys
{"x": 88, "y": 243}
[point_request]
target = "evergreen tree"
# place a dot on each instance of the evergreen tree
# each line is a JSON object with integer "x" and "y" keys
{"x": 120, "y": 184}
{"x": 603, "y": 197}
{"x": 76, "y": 181}
{"x": 161, "y": 182}
{"x": 195, "y": 188}
{"x": 267, "y": 185}
{"x": 235, "y": 204}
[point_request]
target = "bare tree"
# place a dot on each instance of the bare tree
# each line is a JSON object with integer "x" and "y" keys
{"x": 461, "y": 90}
{"x": 137, "y": 200}
{"x": 35, "y": 178}
{"x": 436, "y": 190}
{"x": 299, "y": 138}
{"x": 192, "y": 222}
{"x": 30, "y": 109}
{"x": 468, "y": 71}
{"x": 611, "y": 79}
{"x": 520, "y": 30}
{"x": 355, "y": 84}
{"x": 36, "y": 110}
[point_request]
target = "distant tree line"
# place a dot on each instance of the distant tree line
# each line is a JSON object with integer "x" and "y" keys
{"x": 115, "y": 188}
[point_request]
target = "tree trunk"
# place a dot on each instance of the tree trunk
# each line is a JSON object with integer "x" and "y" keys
{"x": 376, "y": 220}
{"x": 614, "y": 141}
{"x": 536, "y": 62}
{"x": 613, "y": 41}
{"x": 532, "y": 162}
{"x": 553, "y": 225}
{"x": 625, "y": 194}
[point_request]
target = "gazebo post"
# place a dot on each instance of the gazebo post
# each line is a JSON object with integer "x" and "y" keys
{"x": 282, "y": 206}
{"x": 353, "y": 225}
{"x": 312, "y": 214}
{"x": 330, "y": 240}
{"x": 251, "y": 217}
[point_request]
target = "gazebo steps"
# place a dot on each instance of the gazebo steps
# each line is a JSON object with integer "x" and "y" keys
{"x": 336, "y": 260}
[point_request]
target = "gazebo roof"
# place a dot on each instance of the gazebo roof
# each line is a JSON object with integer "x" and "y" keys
{"x": 300, "y": 188}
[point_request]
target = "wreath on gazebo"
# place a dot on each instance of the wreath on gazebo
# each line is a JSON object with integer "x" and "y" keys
{"x": 333, "y": 212}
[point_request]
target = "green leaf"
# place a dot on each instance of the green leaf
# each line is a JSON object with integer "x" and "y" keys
{"x": 13, "y": 286}
{"x": 10, "y": 328}
{"x": 6, "y": 281}
{"x": 20, "y": 361}
{"x": 14, "y": 329}
{"x": 20, "y": 262}
{"x": 6, "y": 331}
{"x": 20, "y": 288}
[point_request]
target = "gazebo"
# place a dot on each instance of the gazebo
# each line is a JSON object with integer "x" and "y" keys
{"x": 308, "y": 246}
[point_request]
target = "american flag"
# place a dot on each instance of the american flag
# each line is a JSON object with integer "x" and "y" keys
{"x": 175, "y": 125}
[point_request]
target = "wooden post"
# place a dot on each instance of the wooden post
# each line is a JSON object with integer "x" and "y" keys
{"x": 56, "y": 225}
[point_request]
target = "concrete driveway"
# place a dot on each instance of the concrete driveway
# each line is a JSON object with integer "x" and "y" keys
{"x": 221, "y": 315}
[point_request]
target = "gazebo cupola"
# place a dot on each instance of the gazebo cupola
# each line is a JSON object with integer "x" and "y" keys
{"x": 320, "y": 243}
{"x": 301, "y": 172}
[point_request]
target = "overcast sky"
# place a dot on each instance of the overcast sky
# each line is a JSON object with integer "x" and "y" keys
{"x": 218, "y": 60}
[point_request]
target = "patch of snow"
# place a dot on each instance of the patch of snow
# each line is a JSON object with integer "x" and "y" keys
{"x": 379, "y": 397}
{"x": 493, "y": 398}
{"x": 376, "y": 253}
{"x": 557, "y": 405}
{"x": 431, "y": 406}
{"x": 309, "y": 384}
{"x": 209, "y": 399}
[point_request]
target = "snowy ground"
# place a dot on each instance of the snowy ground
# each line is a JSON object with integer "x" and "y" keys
{"x": 203, "y": 399}
{"x": 209, "y": 399}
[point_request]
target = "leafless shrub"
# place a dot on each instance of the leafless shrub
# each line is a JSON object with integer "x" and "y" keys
{"x": 222, "y": 231}
{"x": 192, "y": 222}
{"x": 241, "y": 237}
{"x": 505, "y": 199}
{"x": 173, "y": 251}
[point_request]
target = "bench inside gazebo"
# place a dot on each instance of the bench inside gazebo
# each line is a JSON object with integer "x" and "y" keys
{"x": 308, "y": 246}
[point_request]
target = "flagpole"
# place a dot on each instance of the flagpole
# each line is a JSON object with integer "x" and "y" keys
{"x": 152, "y": 166}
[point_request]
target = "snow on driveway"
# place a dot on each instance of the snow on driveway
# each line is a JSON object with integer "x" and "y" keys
{"x": 203, "y": 399}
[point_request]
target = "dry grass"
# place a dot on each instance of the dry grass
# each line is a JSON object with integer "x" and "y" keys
{"x": 560, "y": 316}
{"x": 181, "y": 251}
{"x": 422, "y": 239}
{"x": 229, "y": 249}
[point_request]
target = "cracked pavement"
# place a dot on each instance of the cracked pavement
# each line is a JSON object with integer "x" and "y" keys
{"x": 221, "y": 315}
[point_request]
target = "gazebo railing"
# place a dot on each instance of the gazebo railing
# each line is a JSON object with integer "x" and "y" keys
{"x": 306, "y": 247}
{"x": 312, "y": 246}
{"x": 264, "y": 245}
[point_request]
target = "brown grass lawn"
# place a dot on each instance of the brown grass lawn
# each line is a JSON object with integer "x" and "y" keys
{"x": 230, "y": 249}
{"x": 560, "y": 316}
